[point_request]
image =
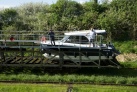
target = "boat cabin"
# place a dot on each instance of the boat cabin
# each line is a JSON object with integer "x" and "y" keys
{"x": 81, "y": 38}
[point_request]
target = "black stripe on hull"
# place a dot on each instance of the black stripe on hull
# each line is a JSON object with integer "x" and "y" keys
{"x": 75, "y": 51}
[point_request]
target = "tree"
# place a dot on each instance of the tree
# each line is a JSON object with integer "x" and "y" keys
{"x": 34, "y": 16}
{"x": 67, "y": 13}
{"x": 8, "y": 19}
{"x": 120, "y": 19}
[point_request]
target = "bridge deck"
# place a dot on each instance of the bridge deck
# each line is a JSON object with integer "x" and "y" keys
{"x": 27, "y": 53}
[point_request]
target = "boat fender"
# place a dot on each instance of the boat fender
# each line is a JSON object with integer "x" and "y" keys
{"x": 43, "y": 39}
{"x": 11, "y": 38}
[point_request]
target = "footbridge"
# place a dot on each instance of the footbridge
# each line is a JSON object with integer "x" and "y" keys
{"x": 24, "y": 50}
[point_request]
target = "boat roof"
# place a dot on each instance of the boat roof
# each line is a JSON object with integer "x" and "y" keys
{"x": 85, "y": 32}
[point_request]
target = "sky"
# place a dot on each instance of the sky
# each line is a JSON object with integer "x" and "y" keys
{"x": 14, "y": 3}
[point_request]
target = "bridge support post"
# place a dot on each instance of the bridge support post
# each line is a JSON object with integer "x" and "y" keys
{"x": 80, "y": 59}
{"x": 2, "y": 57}
{"x": 99, "y": 58}
{"x": 61, "y": 58}
{"x": 22, "y": 55}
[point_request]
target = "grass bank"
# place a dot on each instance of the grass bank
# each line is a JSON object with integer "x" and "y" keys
{"x": 126, "y": 46}
{"x": 21, "y": 87}
{"x": 121, "y": 76}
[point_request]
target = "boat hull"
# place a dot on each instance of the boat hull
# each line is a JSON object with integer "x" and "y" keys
{"x": 80, "y": 54}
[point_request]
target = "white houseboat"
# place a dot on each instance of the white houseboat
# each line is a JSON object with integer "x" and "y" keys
{"x": 75, "y": 47}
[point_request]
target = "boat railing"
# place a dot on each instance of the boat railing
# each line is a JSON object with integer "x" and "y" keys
{"x": 23, "y": 39}
{"x": 26, "y": 36}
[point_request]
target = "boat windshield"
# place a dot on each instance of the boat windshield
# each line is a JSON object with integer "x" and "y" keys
{"x": 64, "y": 38}
{"x": 101, "y": 40}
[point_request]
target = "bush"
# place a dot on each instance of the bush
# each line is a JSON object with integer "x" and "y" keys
{"x": 126, "y": 46}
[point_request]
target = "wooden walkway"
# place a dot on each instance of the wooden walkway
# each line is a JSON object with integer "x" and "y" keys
{"x": 28, "y": 53}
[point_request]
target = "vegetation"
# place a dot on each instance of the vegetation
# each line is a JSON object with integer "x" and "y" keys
{"x": 121, "y": 76}
{"x": 117, "y": 17}
{"x": 21, "y": 87}
{"x": 131, "y": 64}
{"x": 126, "y": 46}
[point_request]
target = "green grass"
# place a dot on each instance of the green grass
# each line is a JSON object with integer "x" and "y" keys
{"x": 121, "y": 76}
{"x": 129, "y": 64}
{"x": 21, "y": 87}
{"x": 126, "y": 46}
{"x": 101, "y": 88}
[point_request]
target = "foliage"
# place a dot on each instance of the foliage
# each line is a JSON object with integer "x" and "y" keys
{"x": 126, "y": 46}
{"x": 121, "y": 76}
{"x": 21, "y": 87}
{"x": 8, "y": 18}
{"x": 117, "y": 17}
{"x": 129, "y": 64}
{"x": 26, "y": 87}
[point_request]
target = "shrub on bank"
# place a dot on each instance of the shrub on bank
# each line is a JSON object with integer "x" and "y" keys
{"x": 126, "y": 46}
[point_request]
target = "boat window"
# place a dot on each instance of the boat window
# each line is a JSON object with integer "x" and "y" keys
{"x": 77, "y": 40}
{"x": 71, "y": 39}
{"x": 83, "y": 40}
